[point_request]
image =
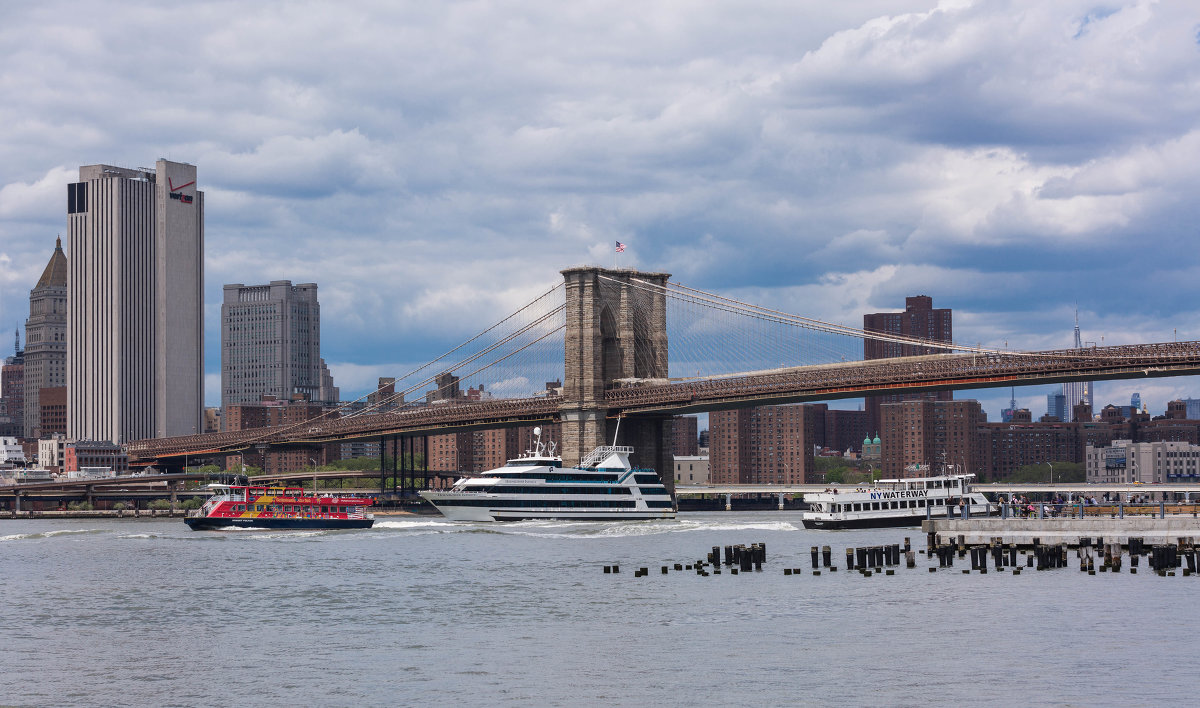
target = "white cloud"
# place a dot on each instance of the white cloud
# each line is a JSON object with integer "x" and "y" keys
{"x": 21, "y": 201}
{"x": 433, "y": 166}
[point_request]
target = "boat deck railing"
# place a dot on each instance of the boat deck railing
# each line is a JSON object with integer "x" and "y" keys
{"x": 598, "y": 455}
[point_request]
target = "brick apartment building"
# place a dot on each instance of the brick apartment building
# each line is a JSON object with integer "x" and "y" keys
{"x": 52, "y": 408}
{"x": 685, "y": 436}
{"x": 271, "y": 412}
{"x": 921, "y": 320}
{"x": 763, "y": 445}
{"x": 931, "y": 433}
{"x": 482, "y": 450}
{"x": 95, "y": 453}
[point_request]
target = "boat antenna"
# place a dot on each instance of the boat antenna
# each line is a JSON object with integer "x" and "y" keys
{"x": 617, "y": 431}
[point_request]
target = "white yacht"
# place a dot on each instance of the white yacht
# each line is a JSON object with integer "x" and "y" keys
{"x": 895, "y": 502}
{"x": 605, "y": 486}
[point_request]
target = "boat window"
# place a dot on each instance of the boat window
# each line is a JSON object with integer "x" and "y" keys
{"x": 647, "y": 479}
{"x": 875, "y": 506}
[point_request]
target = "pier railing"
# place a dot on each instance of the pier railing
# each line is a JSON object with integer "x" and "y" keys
{"x": 1082, "y": 510}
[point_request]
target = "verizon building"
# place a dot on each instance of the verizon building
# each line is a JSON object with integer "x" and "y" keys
{"x": 134, "y": 303}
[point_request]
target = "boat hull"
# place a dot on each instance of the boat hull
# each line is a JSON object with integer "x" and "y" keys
{"x": 500, "y": 513}
{"x": 879, "y": 522}
{"x": 204, "y": 523}
{"x": 876, "y": 522}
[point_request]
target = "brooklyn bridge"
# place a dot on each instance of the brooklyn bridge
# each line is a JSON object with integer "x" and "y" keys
{"x": 635, "y": 347}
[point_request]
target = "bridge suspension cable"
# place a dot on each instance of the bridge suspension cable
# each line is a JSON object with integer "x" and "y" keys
{"x": 713, "y": 334}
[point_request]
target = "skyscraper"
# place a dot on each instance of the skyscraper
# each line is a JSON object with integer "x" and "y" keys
{"x": 919, "y": 320}
{"x": 135, "y": 326}
{"x": 271, "y": 344}
{"x": 1056, "y": 406}
{"x": 46, "y": 338}
{"x": 12, "y": 391}
{"x": 1077, "y": 391}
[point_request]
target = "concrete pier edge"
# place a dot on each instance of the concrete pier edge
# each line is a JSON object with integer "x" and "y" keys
{"x": 1069, "y": 531}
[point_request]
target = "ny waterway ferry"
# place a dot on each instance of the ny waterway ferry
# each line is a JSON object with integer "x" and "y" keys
{"x": 894, "y": 502}
{"x": 242, "y": 507}
{"x": 604, "y": 487}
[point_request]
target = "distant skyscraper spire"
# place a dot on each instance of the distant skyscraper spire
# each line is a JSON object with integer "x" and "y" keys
{"x": 1077, "y": 391}
{"x": 17, "y": 336}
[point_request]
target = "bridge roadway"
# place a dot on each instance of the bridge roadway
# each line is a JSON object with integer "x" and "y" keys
{"x": 917, "y": 373}
{"x": 668, "y": 397}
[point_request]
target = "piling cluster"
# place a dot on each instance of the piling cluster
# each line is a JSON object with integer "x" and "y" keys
{"x": 737, "y": 559}
{"x": 1094, "y": 555}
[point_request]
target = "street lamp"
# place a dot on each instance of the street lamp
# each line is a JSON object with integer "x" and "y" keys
{"x": 1051, "y": 466}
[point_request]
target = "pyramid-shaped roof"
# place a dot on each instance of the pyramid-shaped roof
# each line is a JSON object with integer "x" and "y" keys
{"x": 55, "y": 274}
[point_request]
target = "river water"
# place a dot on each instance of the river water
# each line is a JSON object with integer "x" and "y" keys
{"x": 421, "y": 611}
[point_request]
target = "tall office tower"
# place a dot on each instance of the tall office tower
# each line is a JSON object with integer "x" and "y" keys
{"x": 135, "y": 307}
{"x": 271, "y": 344}
{"x": 1056, "y": 406}
{"x": 920, "y": 320}
{"x": 46, "y": 338}
{"x": 1078, "y": 391}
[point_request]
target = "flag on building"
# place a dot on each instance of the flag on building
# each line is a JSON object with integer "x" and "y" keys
{"x": 620, "y": 247}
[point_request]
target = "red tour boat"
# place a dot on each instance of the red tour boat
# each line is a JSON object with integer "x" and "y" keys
{"x": 241, "y": 507}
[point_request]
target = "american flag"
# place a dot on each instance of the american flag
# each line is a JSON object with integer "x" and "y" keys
{"x": 620, "y": 247}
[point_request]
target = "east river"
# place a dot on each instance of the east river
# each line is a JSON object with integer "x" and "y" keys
{"x": 421, "y": 611}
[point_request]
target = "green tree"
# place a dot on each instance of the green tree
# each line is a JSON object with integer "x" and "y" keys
{"x": 837, "y": 476}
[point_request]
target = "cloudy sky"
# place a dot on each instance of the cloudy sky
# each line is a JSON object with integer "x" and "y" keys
{"x": 433, "y": 165}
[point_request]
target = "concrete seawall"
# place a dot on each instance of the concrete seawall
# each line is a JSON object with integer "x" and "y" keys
{"x": 94, "y": 514}
{"x": 1052, "y": 531}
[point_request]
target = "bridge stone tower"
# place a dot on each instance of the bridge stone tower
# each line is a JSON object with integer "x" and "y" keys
{"x": 616, "y": 329}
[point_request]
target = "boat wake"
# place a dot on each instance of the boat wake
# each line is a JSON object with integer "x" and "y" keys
{"x": 48, "y": 534}
{"x": 576, "y": 529}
